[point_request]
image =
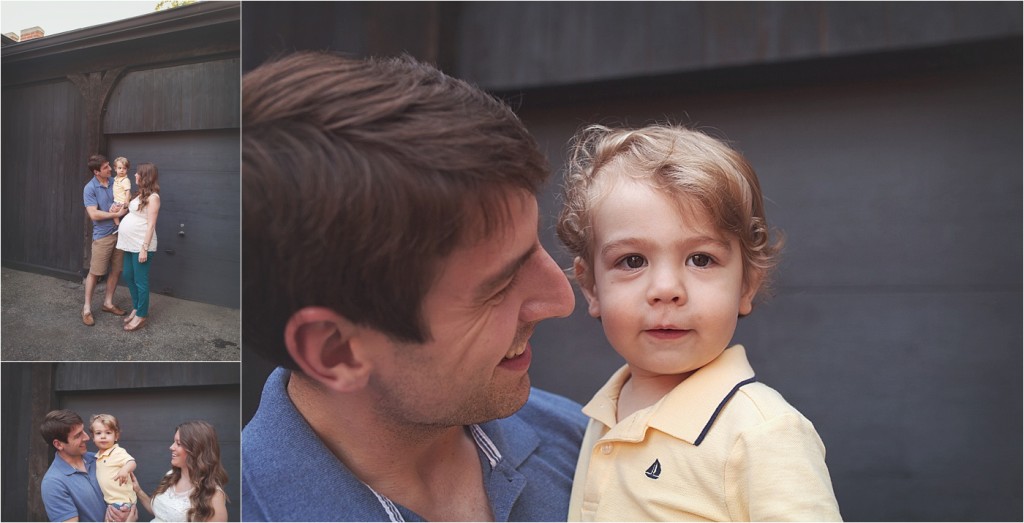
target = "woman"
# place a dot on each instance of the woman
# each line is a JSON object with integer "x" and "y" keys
{"x": 137, "y": 238}
{"x": 192, "y": 489}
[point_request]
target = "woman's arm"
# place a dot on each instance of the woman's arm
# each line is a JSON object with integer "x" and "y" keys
{"x": 141, "y": 494}
{"x": 152, "y": 210}
{"x": 220, "y": 506}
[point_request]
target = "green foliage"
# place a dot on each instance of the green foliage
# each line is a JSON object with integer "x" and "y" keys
{"x": 171, "y": 4}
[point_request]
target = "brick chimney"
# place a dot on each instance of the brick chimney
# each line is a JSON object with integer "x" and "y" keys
{"x": 31, "y": 33}
{"x": 12, "y": 36}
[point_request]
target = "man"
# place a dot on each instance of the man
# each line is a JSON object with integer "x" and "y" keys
{"x": 393, "y": 269}
{"x": 70, "y": 489}
{"x": 98, "y": 196}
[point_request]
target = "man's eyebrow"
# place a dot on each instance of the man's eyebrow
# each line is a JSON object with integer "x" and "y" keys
{"x": 493, "y": 283}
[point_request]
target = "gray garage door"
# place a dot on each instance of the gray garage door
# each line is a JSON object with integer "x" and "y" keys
{"x": 198, "y": 228}
{"x": 148, "y": 418}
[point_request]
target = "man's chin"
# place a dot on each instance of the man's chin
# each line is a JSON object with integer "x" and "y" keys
{"x": 516, "y": 398}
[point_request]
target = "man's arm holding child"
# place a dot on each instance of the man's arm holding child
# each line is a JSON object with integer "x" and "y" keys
{"x": 122, "y": 514}
{"x": 95, "y": 214}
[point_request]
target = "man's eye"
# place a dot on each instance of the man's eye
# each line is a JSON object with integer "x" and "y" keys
{"x": 700, "y": 260}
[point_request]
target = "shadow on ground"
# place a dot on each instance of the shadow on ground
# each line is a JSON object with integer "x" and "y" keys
{"x": 41, "y": 321}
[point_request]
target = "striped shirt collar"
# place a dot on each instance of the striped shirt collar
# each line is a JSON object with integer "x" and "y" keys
{"x": 483, "y": 443}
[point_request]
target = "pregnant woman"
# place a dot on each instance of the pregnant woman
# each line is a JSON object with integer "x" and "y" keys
{"x": 193, "y": 489}
{"x": 137, "y": 238}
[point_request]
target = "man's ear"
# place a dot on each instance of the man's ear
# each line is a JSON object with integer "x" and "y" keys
{"x": 751, "y": 285}
{"x": 585, "y": 278}
{"x": 326, "y": 346}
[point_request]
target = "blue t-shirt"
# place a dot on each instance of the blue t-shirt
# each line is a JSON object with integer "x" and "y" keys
{"x": 68, "y": 492}
{"x": 527, "y": 460}
{"x": 102, "y": 197}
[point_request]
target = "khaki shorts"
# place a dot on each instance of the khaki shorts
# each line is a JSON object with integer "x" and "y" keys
{"x": 105, "y": 254}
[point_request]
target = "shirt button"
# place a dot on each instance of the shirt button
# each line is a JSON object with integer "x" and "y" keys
{"x": 606, "y": 448}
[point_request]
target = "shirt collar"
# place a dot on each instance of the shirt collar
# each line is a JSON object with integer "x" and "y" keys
{"x": 105, "y": 453}
{"x": 504, "y": 442}
{"x": 687, "y": 412}
{"x": 65, "y": 468}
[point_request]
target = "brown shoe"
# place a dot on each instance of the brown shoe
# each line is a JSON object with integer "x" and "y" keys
{"x": 129, "y": 328}
{"x": 87, "y": 318}
{"x": 114, "y": 310}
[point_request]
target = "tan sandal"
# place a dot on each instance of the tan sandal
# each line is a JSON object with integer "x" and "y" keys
{"x": 129, "y": 328}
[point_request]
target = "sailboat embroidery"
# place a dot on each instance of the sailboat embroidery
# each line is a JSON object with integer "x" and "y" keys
{"x": 654, "y": 470}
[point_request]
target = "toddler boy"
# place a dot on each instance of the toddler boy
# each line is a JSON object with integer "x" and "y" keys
{"x": 113, "y": 464}
{"x": 671, "y": 246}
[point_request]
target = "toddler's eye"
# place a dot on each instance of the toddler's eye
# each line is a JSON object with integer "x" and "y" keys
{"x": 633, "y": 261}
{"x": 700, "y": 260}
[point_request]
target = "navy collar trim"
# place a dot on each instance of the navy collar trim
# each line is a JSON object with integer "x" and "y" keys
{"x": 721, "y": 406}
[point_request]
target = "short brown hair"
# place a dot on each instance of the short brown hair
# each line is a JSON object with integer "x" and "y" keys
{"x": 359, "y": 176}
{"x": 681, "y": 162}
{"x": 122, "y": 159}
{"x": 58, "y": 424}
{"x": 95, "y": 163}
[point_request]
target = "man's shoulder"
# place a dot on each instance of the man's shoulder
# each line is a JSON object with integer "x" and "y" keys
{"x": 545, "y": 408}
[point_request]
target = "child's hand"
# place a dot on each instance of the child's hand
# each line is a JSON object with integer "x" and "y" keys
{"x": 123, "y": 477}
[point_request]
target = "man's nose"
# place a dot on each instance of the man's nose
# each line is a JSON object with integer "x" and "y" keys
{"x": 552, "y": 295}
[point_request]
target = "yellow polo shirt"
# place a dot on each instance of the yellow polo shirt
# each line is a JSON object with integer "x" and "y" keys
{"x": 108, "y": 464}
{"x": 718, "y": 447}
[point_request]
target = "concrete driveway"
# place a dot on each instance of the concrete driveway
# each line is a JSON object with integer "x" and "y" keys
{"x": 42, "y": 321}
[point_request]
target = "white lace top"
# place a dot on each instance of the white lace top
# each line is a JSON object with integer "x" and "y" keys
{"x": 171, "y": 506}
{"x": 132, "y": 231}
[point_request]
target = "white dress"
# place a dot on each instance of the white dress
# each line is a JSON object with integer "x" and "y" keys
{"x": 171, "y": 506}
{"x": 132, "y": 231}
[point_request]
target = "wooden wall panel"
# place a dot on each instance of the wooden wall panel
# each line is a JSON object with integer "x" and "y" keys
{"x": 513, "y": 45}
{"x": 89, "y": 376}
{"x": 194, "y": 96}
{"x": 44, "y": 158}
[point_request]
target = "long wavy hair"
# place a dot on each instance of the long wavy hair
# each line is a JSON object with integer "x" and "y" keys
{"x": 204, "y": 468}
{"x": 149, "y": 183}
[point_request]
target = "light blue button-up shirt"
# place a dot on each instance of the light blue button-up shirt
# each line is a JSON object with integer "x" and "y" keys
{"x": 527, "y": 462}
{"x": 102, "y": 197}
{"x": 68, "y": 492}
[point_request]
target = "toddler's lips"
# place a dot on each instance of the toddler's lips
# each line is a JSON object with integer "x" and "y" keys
{"x": 667, "y": 333}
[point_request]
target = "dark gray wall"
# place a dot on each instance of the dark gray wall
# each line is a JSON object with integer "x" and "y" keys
{"x": 149, "y": 399}
{"x": 198, "y": 227}
{"x": 887, "y": 137}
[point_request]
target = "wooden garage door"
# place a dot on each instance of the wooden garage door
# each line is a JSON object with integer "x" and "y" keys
{"x": 198, "y": 228}
{"x": 148, "y": 419}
